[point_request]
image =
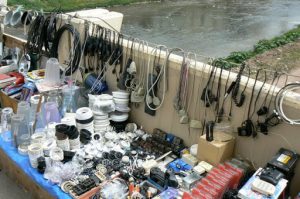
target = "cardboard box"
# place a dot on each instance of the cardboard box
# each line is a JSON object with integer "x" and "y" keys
{"x": 7, "y": 101}
{"x": 215, "y": 152}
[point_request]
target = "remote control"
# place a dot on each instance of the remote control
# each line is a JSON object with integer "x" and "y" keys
{"x": 263, "y": 187}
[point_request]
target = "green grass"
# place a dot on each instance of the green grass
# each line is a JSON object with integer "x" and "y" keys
{"x": 262, "y": 46}
{"x": 69, "y": 5}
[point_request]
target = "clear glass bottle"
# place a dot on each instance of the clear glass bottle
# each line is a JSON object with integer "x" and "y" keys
{"x": 54, "y": 96}
{"x": 6, "y": 115}
{"x": 70, "y": 97}
{"x": 20, "y": 130}
{"x": 24, "y": 109}
{"x": 51, "y": 113}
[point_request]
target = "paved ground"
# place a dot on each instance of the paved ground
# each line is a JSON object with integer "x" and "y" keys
{"x": 9, "y": 189}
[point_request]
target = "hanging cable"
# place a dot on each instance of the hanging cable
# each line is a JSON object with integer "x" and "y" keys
{"x": 76, "y": 55}
{"x": 281, "y": 95}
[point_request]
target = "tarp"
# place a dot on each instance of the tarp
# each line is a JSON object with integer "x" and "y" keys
{"x": 24, "y": 164}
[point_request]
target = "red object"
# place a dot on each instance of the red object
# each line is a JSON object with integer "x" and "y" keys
{"x": 239, "y": 173}
{"x": 131, "y": 188}
{"x": 221, "y": 186}
{"x": 19, "y": 77}
{"x": 221, "y": 178}
{"x": 213, "y": 186}
{"x": 187, "y": 195}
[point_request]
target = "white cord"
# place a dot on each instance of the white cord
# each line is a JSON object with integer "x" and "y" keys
{"x": 161, "y": 72}
{"x": 279, "y": 102}
{"x": 285, "y": 139}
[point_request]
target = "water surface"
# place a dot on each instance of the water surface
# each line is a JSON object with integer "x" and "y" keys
{"x": 210, "y": 27}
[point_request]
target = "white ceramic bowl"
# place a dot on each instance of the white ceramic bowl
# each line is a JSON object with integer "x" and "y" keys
{"x": 101, "y": 122}
{"x": 123, "y": 109}
{"x": 121, "y": 101}
{"x": 119, "y": 117}
{"x": 121, "y": 94}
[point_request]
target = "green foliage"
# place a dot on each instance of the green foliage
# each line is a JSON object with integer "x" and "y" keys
{"x": 262, "y": 46}
{"x": 68, "y": 5}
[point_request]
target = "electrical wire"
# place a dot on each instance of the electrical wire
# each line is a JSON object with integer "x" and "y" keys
{"x": 162, "y": 74}
{"x": 73, "y": 64}
{"x": 281, "y": 95}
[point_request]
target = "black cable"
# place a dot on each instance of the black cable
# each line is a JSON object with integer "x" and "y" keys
{"x": 263, "y": 108}
{"x": 248, "y": 128}
{"x": 35, "y": 40}
{"x": 220, "y": 112}
{"x": 75, "y": 60}
{"x": 236, "y": 86}
{"x": 258, "y": 94}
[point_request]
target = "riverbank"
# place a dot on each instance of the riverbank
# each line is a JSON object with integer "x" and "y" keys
{"x": 71, "y": 5}
{"x": 280, "y": 53}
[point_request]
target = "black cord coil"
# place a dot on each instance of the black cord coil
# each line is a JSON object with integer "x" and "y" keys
{"x": 76, "y": 55}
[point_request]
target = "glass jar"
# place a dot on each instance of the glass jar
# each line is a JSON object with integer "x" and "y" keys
{"x": 51, "y": 113}
{"x": 54, "y": 96}
{"x": 34, "y": 101}
{"x": 24, "y": 109}
{"x": 6, "y": 115}
{"x": 20, "y": 130}
{"x": 223, "y": 130}
{"x": 70, "y": 97}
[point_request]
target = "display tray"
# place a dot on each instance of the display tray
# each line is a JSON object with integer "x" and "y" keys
{"x": 18, "y": 168}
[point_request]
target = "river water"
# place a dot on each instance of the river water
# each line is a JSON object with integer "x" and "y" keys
{"x": 211, "y": 28}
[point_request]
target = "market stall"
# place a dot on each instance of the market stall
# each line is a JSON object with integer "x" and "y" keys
{"x": 97, "y": 113}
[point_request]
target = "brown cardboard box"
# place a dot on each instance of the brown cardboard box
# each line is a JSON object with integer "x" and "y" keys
{"x": 215, "y": 152}
{"x": 7, "y": 101}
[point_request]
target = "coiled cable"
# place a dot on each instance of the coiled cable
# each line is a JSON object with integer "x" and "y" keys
{"x": 75, "y": 54}
{"x": 281, "y": 95}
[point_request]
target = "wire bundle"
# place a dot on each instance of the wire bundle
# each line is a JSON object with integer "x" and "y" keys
{"x": 281, "y": 95}
{"x": 75, "y": 52}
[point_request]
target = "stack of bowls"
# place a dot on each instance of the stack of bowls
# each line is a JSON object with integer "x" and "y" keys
{"x": 85, "y": 119}
{"x": 121, "y": 100}
{"x": 102, "y": 106}
{"x": 120, "y": 116}
{"x": 101, "y": 122}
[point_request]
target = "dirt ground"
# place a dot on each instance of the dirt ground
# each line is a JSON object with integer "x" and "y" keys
{"x": 284, "y": 59}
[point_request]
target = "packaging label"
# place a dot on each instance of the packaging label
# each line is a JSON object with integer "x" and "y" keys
{"x": 283, "y": 158}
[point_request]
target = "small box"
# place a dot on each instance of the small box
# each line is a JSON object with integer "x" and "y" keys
{"x": 215, "y": 152}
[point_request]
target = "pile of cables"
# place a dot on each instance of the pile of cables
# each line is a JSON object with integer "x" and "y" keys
{"x": 281, "y": 95}
{"x": 41, "y": 34}
{"x": 35, "y": 41}
{"x": 75, "y": 53}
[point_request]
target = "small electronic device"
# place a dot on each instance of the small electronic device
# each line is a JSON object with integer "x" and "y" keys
{"x": 206, "y": 166}
{"x": 190, "y": 159}
{"x": 285, "y": 161}
{"x": 190, "y": 180}
{"x": 199, "y": 169}
{"x": 271, "y": 175}
{"x": 263, "y": 187}
{"x": 210, "y": 131}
